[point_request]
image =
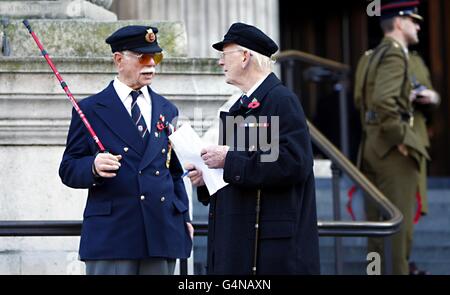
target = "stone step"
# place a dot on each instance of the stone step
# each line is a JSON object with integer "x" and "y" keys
{"x": 435, "y": 267}
{"x": 67, "y": 9}
{"x": 359, "y": 253}
{"x": 350, "y": 254}
{"x": 347, "y": 241}
{"x": 355, "y": 262}
{"x": 439, "y": 253}
{"x": 421, "y": 239}
{"x": 430, "y": 239}
{"x": 323, "y": 196}
{"x": 433, "y": 223}
{"x": 359, "y": 268}
{"x": 439, "y": 207}
{"x": 351, "y": 268}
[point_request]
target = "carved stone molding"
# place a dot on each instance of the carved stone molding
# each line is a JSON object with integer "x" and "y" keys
{"x": 104, "y": 3}
{"x": 60, "y": 9}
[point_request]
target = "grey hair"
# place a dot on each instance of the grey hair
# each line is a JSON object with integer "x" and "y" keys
{"x": 263, "y": 62}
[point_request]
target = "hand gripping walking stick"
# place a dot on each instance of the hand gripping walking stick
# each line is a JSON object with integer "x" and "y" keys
{"x": 65, "y": 88}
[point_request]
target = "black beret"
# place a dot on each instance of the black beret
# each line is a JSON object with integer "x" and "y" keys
{"x": 140, "y": 39}
{"x": 393, "y": 8}
{"x": 249, "y": 37}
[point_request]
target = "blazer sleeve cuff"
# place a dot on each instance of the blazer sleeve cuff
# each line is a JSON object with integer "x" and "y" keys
{"x": 203, "y": 195}
{"x": 233, "y": 170}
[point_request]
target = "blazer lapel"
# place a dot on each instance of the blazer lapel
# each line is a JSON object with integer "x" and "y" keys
{"x": 235, "y": 109}
{"x": 111, "y": 110}
{"x": 156, "y": 143}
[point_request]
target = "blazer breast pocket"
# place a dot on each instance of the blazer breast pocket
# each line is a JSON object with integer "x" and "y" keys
{"x": 98, "y": 209}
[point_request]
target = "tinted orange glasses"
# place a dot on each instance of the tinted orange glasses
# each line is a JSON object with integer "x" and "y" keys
{"x": 144, "y": 58}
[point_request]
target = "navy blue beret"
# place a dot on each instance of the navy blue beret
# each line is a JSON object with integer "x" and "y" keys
{"x": 140, "y": 39}
{"x": 393, "y": 8}
{"x": 249, "y": 37}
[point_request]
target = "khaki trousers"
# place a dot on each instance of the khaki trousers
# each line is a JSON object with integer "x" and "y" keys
{"x": 397, "y": 177}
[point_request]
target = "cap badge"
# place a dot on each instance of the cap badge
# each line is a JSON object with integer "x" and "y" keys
{"x": 150, "y": 36}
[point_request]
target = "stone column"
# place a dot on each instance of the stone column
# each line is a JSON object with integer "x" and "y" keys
{"x": 206, "y": 20}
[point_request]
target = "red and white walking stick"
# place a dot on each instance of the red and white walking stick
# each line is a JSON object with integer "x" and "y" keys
{"x": 65, "y": 88}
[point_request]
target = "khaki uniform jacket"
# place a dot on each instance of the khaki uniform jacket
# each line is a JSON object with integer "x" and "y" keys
{"x": 383, "y": 89}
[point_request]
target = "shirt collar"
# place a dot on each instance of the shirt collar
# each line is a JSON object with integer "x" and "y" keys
{"x": 256, "y": 85}
{"x": 123, "y": 90}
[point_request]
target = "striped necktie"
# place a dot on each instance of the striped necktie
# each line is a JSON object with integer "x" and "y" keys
{"x": 245, "y": 100}
{"x": 136, "y": 114}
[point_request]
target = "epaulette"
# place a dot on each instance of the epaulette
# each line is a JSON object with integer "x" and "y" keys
{"x": 396, "y": 45}
{"x": 368, "y": 52}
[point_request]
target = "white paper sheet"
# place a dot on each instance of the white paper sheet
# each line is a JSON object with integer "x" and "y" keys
{"x": 187, "y": 144}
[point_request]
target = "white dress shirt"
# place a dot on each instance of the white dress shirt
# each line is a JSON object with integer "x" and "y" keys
{"x": 143, "y": 100}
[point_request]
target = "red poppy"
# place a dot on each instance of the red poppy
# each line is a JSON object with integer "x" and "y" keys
{"x": 254, "y": 104}
{"x": 160, "y": 126}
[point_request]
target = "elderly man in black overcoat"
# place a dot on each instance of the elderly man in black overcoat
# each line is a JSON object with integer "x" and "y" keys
{"x": 264, "y": 221}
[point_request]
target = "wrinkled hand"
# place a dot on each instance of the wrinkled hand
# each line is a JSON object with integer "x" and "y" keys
{"x": 403, "y": 149}
{"x": 105, "y": 164}
{"x": 214, "y": 156}
{"x": 190, "y": 230}
{"x": 426, "y": 96}
{"x": 195, "y": 175}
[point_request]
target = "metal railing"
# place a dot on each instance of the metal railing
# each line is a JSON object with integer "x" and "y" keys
{"x": 393, "y": 217}
{"x": 338, "y": 72}
{"x": 335, "y": 228}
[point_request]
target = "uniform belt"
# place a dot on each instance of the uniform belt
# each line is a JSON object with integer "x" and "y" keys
{"x": 372, "y": 118}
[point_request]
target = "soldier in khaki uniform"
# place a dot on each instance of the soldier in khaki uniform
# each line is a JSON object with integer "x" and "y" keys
{"x": 392, "y": 150}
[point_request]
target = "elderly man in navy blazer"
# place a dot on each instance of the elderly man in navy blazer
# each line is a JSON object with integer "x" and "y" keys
{"x": 264, "y": 221}
{"x": 136, "y": 219}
